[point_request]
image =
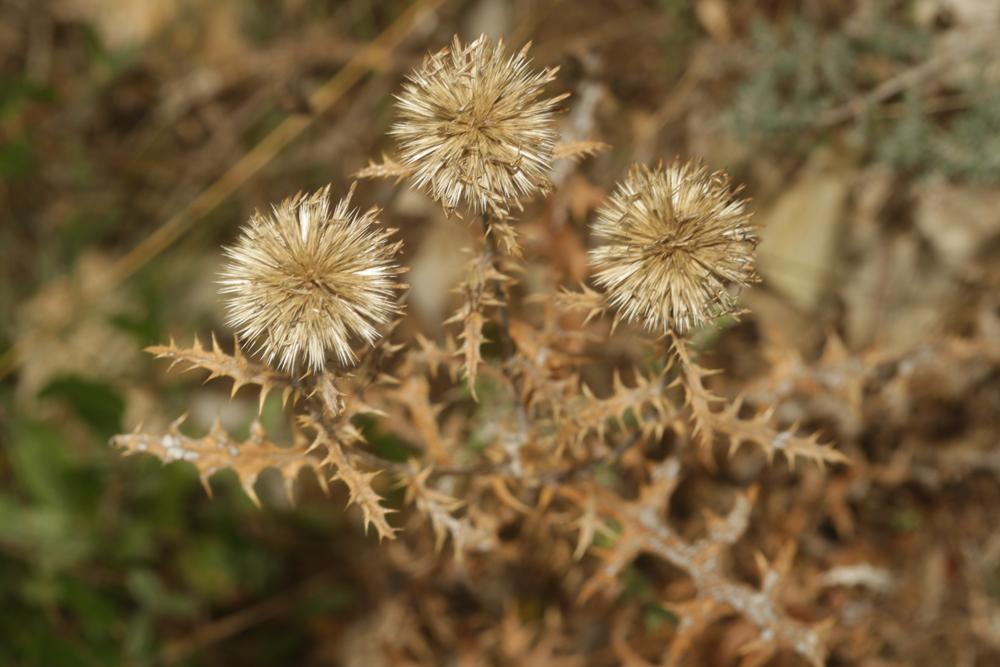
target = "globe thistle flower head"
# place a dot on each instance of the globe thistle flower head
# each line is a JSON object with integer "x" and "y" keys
{"x": 474, "y": 128}
{"x": 307, "y": 279}
{"x": 675, "y": 242}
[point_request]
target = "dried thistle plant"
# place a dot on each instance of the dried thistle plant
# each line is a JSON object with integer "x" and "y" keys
{"x": 305, "y": 280}
{"x": 674, "y": 241}
{"x": 475, "y": 129}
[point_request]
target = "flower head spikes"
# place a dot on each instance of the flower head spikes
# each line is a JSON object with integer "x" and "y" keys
{"x": 304, "y": 280}
{"x": 674, "y": 241}
{"x": 474, "y": 128}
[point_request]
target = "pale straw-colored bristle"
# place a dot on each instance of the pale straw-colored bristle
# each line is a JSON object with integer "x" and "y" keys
{"x": 674, "y": 245}
{"x": 306, "y": 279}
{"x": 474, "y": 128}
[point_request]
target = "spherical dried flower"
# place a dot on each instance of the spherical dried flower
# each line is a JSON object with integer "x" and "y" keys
{"x": 474, "y": 129}
{"x": 675, "y": 240}
{"x": 305, "y": 280}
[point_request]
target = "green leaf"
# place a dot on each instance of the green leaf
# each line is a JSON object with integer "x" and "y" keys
{"x": 147, "y": 587}
{"x": 17, "y": 158}
{"x": 98, "y": 404}
{"x": 40, "y": 461}
{"x": 16, "y": 90}
{"x": 655, "y": 617}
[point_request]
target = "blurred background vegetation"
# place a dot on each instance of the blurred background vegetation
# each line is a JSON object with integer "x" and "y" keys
{"x": 136, "y": 135}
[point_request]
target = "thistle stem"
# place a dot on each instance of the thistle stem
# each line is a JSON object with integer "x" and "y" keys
{"x": 699, "y": 399}
{"x": 507, "y": 347}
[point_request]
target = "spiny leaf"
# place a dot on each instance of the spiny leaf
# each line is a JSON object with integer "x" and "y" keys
{"x": 646, "y": 401}
{"x": 330, "y": 396}
{"x": 389, "y": 168}
{"x": 646, "y": 530}
{"x": 218, "y": 450}
{"x": 432, "y": 357}
{"x": 589, "y": 525}
{"x": 506, "y": 237}
{"x": 697, "y": 397}
{"x": 235, "y": 366}
{"x": 575, "y": 150}
{"x": 414, "y": 395}
{"x": 586, "y": 300}
{"x": 440, "y": 509}
{"x": 759, "y": 431}
{"x": 476, "y": 288}
{"x": 359, "y": 483}
{"x": 472, "y": 340}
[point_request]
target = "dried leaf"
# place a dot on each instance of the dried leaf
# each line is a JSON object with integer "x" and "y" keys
{"x": 359, "y": 483}
{"x": 646, "y": 401}
{"x": 235, "y": 366}
{"x": 589, "y": 526}
{"x": 432, "y": 357}
{"x": 389, "y": 168}
{"x": 645, "y": 530}
{"x": 414, "y": 394}
{"x": 506, "y": 237}
{"x": 586, "y": 300}
{"x": 757, "y": 429}
{"x": 440, "y": 508}
{"x": 577, "y": 150}
{"x": 218, "y": 450}
{"x": 478, "y": 296}
{"x": 472, "y": 340}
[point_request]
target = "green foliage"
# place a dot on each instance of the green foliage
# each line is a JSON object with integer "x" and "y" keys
{"x": 655, "y": 617}
{"x": 794, "y": 79}
{"x": 100, "y": 557}
{"x": 970, "y": 147}
{"x": 802, "y": 73}
{"x": 681, "y": 38}
{"x": 906, "y": 145}
{"x": 17, "y": 159}
{"x": 98, "y": 404}
{"x": 15, "y": 92}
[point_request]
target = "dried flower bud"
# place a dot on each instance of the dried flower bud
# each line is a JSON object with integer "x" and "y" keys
{"x": 305, "y": 280}
{"x": 674, "y": 241}
{"x": 473, "y": 127}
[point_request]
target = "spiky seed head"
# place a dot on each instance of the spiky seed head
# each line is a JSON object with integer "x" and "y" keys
{"x": 306, "y": 279}
{"x": 675, "y": 241}
{"x": 474, "y": 128}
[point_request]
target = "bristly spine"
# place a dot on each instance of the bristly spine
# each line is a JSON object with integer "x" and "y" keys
{"x": 306, "y": 280}
{"x": 474, "y": 127}
{"x": 674, "y": 241}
